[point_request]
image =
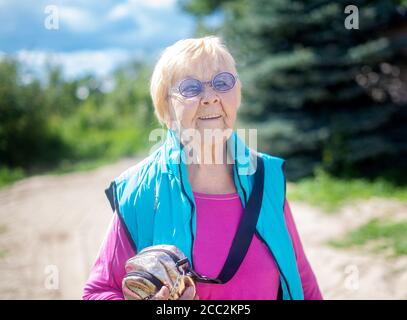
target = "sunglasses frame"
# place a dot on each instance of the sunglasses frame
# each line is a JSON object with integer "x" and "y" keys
{"x": 202, "y": 84}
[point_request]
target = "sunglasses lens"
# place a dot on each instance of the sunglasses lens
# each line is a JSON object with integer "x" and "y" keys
{"x": 224, "y": 81}
{"x": 190, "y": 88}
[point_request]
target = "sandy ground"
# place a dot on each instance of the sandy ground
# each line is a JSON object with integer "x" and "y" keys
{"x": 51, "y": 228}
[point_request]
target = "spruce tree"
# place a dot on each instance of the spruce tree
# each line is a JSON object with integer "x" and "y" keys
{"x": 322, "y": 83}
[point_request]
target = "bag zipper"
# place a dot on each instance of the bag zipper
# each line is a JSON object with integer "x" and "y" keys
{"x": 172, "y": 255}
{"x": 147, "y": 275}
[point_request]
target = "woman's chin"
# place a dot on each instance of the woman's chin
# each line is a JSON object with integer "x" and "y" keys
{"x": 210, "y": 124}
{"x": 212, "y": 130}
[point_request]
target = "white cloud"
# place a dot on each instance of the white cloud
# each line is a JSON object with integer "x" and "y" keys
{"x": 150, "y": 17}
{"x": 119, "y": 12}
{"x": 77, "y": 19}
{"x": 94, "y": 25}
{"x": 77, "y": 63}
{"x": 162, "y": 3}
{"x": 157, "y": 4}
{"x": 135, "y": 8}
{"x": 4, "y": 3}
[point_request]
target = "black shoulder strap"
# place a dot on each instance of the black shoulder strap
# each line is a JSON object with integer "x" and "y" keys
{"x": 244, "y": 233}
{"x": 246, "y": 228}
{"x": 280, "y": 292}
{"x": 110, "y": 195}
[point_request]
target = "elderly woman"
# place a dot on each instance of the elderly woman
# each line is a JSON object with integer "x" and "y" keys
{"x": 192, "y": 191}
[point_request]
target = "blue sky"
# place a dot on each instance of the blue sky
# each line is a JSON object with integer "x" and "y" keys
{"x": 92, "y": 35}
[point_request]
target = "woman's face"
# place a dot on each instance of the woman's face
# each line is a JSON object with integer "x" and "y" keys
{"x": 209, "y": 110}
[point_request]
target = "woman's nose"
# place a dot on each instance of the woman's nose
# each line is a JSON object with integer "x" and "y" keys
{"x": 209, "y": 97}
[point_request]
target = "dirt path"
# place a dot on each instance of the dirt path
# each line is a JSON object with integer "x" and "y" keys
{"x": 351, "y": 273}
{"x": 51, "y": 228}
{"x": 50, "y": 221}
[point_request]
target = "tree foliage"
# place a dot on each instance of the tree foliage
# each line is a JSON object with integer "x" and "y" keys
{"x": 319, "y": 93}
{"x": 46, "y": 122}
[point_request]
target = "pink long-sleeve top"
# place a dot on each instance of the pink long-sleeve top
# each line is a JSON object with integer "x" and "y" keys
{"x": 217, "y": 217}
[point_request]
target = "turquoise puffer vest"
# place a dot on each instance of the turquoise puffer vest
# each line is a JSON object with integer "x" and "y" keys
{"x": 155, "y": 203}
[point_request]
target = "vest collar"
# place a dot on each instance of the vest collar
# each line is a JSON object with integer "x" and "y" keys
{"x": 243, "y": 157}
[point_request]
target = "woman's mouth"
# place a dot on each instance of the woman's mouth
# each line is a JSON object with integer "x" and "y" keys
{"x": 210, "y": 117}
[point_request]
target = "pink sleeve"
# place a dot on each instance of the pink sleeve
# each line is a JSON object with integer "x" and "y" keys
{"x": 308, "y": 280}
{"x": 106, "y": 276}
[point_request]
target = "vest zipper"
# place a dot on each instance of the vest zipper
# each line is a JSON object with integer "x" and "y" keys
{"x": 192, "y": 213}
{"x": 173, "y": 256}
{"x": 122, "y": 222}
{"x": 238, "y": 176}
{"x": 278, "y": 266}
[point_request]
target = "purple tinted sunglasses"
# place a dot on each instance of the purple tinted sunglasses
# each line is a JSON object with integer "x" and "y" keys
{"x": 191, "y": 87}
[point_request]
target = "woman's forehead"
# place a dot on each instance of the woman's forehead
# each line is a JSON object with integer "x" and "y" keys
{"x": 203, "y": 73}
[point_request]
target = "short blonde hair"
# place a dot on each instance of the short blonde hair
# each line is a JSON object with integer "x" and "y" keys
{"x": 201, "y": 57}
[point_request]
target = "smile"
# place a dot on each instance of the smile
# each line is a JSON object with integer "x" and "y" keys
{"x": 210, "y": 117}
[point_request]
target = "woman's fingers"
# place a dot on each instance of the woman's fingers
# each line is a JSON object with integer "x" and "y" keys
{"x": 130, "y": 295}
{"x": 190, "y": 290}
{"x": 163, "y": 294}
{"x": 188, "y": 294}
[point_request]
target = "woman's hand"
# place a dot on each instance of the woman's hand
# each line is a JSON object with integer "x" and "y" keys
{"x": 164, "y": 294}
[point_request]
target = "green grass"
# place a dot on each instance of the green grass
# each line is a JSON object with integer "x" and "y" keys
{"x": 382, "y": 234}
{"x": 330, "y": 193}
{"x": 9, "y": 176}
{"x": 91, "y": 148}
{"x": 96, "y": 148}
{"x": 68, "y": 166}
{"x": 3, "y": 229}
{"x": 65, "y": 167}
{"x": 3, "y": 253}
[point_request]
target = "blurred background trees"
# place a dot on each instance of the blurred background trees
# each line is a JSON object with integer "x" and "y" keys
{"x": 320, "y": 94}
{"x": 25, "y": 132}
{"x": 53, "y": 122}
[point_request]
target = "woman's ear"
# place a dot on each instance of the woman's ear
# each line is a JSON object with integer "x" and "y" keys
{"x": 239, "y": 88}
{"x": 167, "y": 118}
{"x": 170, "y": 118}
